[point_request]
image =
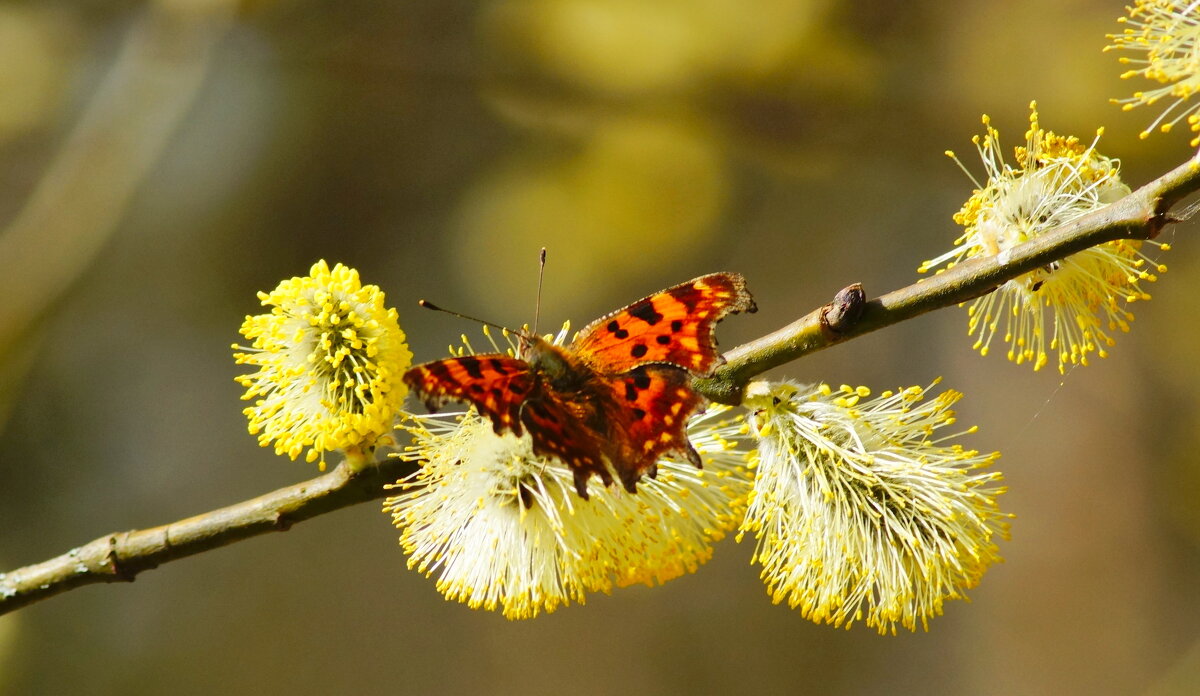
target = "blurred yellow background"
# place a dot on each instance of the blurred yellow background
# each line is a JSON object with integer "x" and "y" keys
{"x": 160, "y": 162}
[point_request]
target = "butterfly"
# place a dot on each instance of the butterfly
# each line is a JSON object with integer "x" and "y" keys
{"x": 618, "y": 396}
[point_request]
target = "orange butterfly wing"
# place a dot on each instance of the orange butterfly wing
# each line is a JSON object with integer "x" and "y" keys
{"x": 495, "y": 383}
{"x": 672, "y": 326}
{"x": 558, "y": 428}
{"x": 656, "y": 401}
{"x": 508, "y": 392}
{"x": 644, "y": 354}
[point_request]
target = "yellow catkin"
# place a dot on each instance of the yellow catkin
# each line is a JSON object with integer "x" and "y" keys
{"x": 329, "y": 356}
{"x": 868, "y": 515}
{"x": 1070, "y": 308}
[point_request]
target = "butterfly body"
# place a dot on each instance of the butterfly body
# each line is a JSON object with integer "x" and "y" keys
{"x": 618, "y": 397}
{"x": 558, "y": 368}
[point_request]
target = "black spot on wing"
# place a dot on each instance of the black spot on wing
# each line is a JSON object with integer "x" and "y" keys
{"x": 498, "y": 366}
{"x": 663, "y": 340}
{"x": 677, "y": 325}
{"x": 639, "y": 413}
{"x": 639, "y": 350}
{"x": 439, "y": 370}
{"x": 631, "y": 392}
{"x": 472, "y": 366}
{"x": 641, "y": 380}
{"x": 433, "y": 378}
{"x": 688, "y": 295}
{"x": 614, "y": 327}
{"x": 646, "y": 313}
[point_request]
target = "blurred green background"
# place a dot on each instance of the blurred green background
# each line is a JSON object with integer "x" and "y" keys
{"x": 162, "y": 162}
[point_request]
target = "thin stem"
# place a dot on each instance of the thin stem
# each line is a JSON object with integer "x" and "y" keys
{"x": 122, "y": 555}
{"x": 1140, "y": 215}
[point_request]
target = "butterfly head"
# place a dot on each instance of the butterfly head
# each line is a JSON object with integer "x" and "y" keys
{"x": 546, "y": 358}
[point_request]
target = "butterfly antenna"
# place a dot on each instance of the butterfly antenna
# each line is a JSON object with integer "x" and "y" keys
{"x": 429, "y": 305}
{"x": 537, "y": 308}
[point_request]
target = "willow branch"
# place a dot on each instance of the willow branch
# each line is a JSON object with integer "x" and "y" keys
{"x": 120, "y": 556}
{"x": 1140, "y": 215}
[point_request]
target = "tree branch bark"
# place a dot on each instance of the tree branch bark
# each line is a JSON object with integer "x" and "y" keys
{"x": 121, "y": 556}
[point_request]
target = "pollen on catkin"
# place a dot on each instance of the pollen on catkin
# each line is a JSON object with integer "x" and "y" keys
{"x": 861, "y": 510}
{"x": 1161, "y": 42}
{"x": 329, "y": 356}
{"x": 1068, "y": 309}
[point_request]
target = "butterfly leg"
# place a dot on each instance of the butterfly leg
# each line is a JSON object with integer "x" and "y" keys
{"x": 692, "y": 455}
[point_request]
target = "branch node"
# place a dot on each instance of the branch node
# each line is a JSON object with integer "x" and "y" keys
{"x": 280, "y": 522}
{"x": 112, "y": 557}
{"x": 840, "y": 315}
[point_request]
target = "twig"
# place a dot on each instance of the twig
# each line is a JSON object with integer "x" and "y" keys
{"x": 1140, "y": 215}
{"x": 121, "y": 556}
